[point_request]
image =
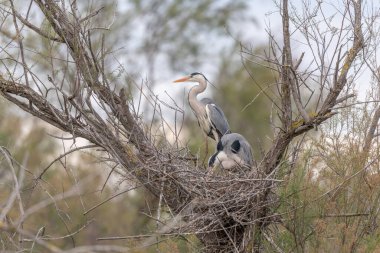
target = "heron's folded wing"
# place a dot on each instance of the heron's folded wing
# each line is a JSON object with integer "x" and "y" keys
{"x": 217, "y": 118}
{"x": 248, "y": 153}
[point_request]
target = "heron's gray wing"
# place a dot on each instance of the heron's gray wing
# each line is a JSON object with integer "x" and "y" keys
{"x": 247, "y": 150}
{"x": 217, "y": 119}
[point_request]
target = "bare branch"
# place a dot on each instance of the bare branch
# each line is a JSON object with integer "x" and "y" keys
{"x": 358, "y": 45}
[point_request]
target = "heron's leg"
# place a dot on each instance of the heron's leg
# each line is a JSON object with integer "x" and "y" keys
{"x": 216, "y": 138}
{"x": 206, "y": 151}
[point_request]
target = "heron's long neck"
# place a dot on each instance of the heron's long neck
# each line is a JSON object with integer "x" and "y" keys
{"x": 193, "y": 101}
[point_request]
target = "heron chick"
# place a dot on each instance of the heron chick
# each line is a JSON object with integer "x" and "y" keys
{"x": 232, "y": 150}
{"x": 210, "y": 117}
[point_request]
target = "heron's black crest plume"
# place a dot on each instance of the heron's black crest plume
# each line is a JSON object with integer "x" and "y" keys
{"x": 197, "y": 73}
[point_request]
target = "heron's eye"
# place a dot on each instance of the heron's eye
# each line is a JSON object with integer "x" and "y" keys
{"x": 219, "y": 147}
{"x": 235, "y": 146}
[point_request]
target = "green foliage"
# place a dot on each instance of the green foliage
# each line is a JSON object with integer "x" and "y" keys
{"x": 298, "y": 207}
{"x": 330, "y": 199}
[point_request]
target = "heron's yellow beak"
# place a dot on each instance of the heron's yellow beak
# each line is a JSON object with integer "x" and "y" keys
{"x": 183, "y": 79}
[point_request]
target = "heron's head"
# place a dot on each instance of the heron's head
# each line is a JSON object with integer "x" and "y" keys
{"x": 194, "y": 77}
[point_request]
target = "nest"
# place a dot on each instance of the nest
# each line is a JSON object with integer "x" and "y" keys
{"x": 222, "y": 208}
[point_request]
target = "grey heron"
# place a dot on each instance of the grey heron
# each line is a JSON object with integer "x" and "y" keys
{"x": 210, "y": 117}
{"x": 232, "y": 150}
